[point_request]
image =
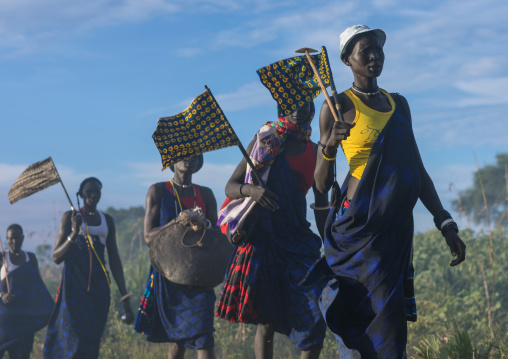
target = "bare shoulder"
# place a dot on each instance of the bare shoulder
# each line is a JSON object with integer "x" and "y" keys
{"x": 66, "y": 217}
{"x": 32, "y": 257}
{"x": 156, "y": 189}
{"x": 109, "y": 219}
{"x": 345, "y": 104}
{"x": 157, "y": 186}
{"x": 398, "y": 98}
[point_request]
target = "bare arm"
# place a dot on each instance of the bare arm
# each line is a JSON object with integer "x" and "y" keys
{"x": 321, "y": 200}
{"x": 152, "y": 212}
{"x": 237, "y": 188}
{"x": 115, "y": 264}
{"x": 331, "y": 135}
{"x": 428, "y": 194}
{"x": 68, "y": 229}
{"x": 431, "y": 201}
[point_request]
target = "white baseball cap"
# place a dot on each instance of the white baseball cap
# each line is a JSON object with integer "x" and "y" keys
{"x": 351, "y": 32}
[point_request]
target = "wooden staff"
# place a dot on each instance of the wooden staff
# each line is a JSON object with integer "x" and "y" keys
{"x": 61, "y": 182}
{"x": 336, "y": 111}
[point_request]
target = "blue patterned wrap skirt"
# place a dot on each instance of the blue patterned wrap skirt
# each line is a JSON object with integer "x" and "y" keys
{"x": 368, "y": 251}
{"x": 171, "y": 312}
{"x": 78, "y": 320}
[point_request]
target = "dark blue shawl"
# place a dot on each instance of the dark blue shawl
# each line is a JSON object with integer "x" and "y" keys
{"x": 369, "y": 248}
{"x": 284, "y": 249}
{"x": 31, "y": 308}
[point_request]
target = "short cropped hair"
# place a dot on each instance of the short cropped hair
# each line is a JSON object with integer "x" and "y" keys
{"x": 15, "y": 226}
{"x": 85, "y": 181}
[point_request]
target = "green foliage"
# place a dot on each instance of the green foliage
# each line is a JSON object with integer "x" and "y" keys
{"x": 452, "y": 305}
{"x": 494, "y": 182}
{"x": 129, "y": 231}
{"x": 460, "y": 346}
{"x": 49, "y": 271}
{"x": 452, "y": 302}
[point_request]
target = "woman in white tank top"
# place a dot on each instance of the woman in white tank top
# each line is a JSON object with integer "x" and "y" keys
{"x": 82, "y": 306}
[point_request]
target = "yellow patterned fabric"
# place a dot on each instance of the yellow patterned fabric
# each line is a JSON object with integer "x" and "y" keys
{"x": 292, "y": 82}
{"x": 202, "y": 127}
{"x": 369, "y": 124}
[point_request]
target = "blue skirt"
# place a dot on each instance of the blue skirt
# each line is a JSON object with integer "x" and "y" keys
{"x": 262, "y": 282}
{"x": 175, "y": 313}
{"x": 79, "y": 317}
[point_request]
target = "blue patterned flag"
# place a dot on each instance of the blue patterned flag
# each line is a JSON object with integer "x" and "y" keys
{"x": 202, "y": 127}
{"x": 292, "y": 82}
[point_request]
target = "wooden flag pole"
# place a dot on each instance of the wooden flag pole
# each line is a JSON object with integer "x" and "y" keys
{"x": 249, "y": 162}
{"x": 336, "y": 97}
{"x": 337, "y": 115}
{"x": 61, "y": 182}
{"x": 244, "y": 152}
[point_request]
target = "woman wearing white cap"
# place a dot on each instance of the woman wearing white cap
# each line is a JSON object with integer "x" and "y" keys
{"x": 369, "y": 233}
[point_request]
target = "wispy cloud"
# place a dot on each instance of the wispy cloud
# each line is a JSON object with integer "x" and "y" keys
{"x": 292, "y": 28}
{"x": 484, "y": 91}
{"x": 189, "y": 52}
{"x": 26, "y": 25}
{"x": 452, "y": 129}
{"x": 10, "y": 173}
{"x": 246, "y": 96}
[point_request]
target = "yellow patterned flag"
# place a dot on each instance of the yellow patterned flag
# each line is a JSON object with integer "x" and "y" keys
{"x": 35, "y": 178}
{"x": 202, "y": 127}
{"x": 292, "y": 82}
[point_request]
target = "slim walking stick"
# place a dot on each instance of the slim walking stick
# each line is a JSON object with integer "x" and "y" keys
{"x": 336, "y": 111}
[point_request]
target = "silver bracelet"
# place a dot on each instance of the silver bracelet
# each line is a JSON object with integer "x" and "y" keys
{"x": 445, "y": 222}
{"x": 314, "y": 207}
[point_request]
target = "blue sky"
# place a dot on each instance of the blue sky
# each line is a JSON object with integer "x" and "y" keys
{"x": 85, "y": 81}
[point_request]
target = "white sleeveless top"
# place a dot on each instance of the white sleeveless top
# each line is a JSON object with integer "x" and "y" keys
{"x": 100, "y": 231}
{"x": 9, "y": 265}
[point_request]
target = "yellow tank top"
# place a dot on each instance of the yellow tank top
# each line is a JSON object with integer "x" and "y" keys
{"x": 369, "y": 124}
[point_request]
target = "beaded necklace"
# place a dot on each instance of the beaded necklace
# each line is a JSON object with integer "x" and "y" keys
{"x": 178, "y": 197}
